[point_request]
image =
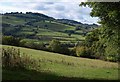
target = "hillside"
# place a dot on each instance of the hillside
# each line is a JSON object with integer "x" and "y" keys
{"x": 43, "y": 28}
{"x": 77, "y": 24}
{"x": 58, "y": 66}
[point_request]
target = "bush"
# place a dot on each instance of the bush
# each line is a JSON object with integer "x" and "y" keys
{"x": 65, "y": 50}
{"x": 83, "y": 51}
{"x": 10, "y": 40}
{"x": 113, "y": 57}
{"x": 55, "y": 46}
{"x": 13, "y": 58}
{"x": 22, "y": 43}
{"x": 32, "y": 45}
{"x": 72, "y": 51}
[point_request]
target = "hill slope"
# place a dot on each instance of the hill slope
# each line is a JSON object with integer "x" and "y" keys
{"x": 64, "y": 66}
{"x": 36, "y": 26}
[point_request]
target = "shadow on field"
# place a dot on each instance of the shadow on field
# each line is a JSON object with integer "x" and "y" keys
{"x": 24, "y": 74}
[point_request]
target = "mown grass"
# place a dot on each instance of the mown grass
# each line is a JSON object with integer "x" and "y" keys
{"x": 65, "y": 66}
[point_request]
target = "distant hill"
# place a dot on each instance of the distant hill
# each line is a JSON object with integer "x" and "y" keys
{"x": 70, "y": 22}
{"x": 41, "y": 27}
{"x": 75, "y": 23}
{"x": 34, "y": 17}
{"x": 30, "y": 15}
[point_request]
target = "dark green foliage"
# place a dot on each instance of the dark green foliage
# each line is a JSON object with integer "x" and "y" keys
{"x": 105, "y": 44}
{"x": 65, "y": 50}
{"x": 77, "y": 28}
{"x": 92, "y": 37}
{"x": 101, "y": 47}
{"x": 99, "y": 50}
{"x": 10, "y": 40}
{"x": 56, "y": 46}
{"x": 70, "y": 32}
{"x": 32, "y": 45}
{"x": 5, "y": 25}
{"x": 72, "y": 51}
{"x": 108, "y": 12}
{"x": 83, "y": 51}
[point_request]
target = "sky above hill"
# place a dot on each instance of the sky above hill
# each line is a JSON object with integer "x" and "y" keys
{"x": 60, "y": 9}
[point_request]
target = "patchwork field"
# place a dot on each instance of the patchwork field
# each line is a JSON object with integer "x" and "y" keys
{"x": 31, "y": 26}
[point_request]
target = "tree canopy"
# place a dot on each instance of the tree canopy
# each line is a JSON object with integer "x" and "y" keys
{"x": 109, "y": 15}
{"x": 108, "y": 12}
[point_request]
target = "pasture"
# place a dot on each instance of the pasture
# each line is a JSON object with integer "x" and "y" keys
{"x": 58, "y": 66}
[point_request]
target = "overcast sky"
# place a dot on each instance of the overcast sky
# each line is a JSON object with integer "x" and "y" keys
{"x": 67, "y": 9}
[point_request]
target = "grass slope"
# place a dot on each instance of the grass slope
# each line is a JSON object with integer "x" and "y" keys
{"x": 57, "y": 66}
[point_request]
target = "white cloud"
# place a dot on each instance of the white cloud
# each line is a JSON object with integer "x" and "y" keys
{"x": 43, "y": 1}
{"x": 55, "y": 8}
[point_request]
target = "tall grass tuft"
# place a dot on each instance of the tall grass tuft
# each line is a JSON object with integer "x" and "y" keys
{"x": 13, "y": 58}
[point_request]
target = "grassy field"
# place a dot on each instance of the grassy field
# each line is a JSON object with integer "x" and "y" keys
{"x": 15, "y": 20}
{"x": 58, "y": 66}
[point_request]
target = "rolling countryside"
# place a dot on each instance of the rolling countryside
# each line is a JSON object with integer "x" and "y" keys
{"x": 60, "y": 41}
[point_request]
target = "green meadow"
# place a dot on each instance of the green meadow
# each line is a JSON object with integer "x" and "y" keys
{"x": 57, "y": 66}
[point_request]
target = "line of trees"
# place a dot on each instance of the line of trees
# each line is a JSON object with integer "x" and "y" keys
{"x": 54, "y": 46}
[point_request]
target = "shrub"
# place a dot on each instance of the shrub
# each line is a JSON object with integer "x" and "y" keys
{"x": 98, "y": 48}
{"x": 13, "y": 58}
{"x": 32, "y": 45}
{"x": 83, "y": 51}
{"x": 65, "y": 50}
{"x": 72, "y": 51}
{"x": 55, "y": 46}
{"x": 10, "y": 40}
{"x": 22, "y": 43}
{"x": 113, "y": 57}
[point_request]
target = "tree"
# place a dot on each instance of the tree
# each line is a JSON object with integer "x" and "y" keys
{"x": 109, "y": 15}
{"x": 69, "y": 34}
{"x": 55, "y": 46}
{"x": 92, "y": 37}
{"x": 83, "y": 51}
{"x": 108, "y": 12}
{"x": 45, "y": 25}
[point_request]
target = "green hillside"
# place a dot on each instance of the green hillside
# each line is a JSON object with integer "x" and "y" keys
{"x": 58, "y": 66}
{"x": 39, "y": 47}
{"x": 42, "y": 28}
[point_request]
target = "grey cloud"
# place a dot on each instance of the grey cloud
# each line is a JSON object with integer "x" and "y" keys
{"x": 50, "y": 3}
{"x": 60, "y": 8}
{"x": 41, "y": 8}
